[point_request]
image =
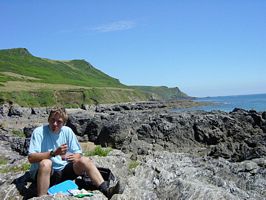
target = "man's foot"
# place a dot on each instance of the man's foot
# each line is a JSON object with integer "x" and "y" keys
{"x": 108, "y": 190}
{"x": 113, "y": 190}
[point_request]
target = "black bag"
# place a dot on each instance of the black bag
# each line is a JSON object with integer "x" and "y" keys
{"x": 86, "y": 183}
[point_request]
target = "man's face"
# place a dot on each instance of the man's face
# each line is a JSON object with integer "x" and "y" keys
{"x": 56, "y": 122}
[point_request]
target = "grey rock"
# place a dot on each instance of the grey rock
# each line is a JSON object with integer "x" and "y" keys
{"x": 157, "y": 154}
{"x": 4, "y": 109}
{"x": 16, "y": 110}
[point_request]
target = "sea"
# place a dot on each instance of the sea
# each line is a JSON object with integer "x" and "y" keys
{"x": 228, "y": 103}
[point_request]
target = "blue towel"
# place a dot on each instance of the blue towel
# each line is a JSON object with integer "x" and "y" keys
{"x": 63, "y": 188}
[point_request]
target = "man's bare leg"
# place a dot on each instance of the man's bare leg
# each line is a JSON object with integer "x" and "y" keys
{"x": 43, "y": 177}
{"x": 86, "y": 164}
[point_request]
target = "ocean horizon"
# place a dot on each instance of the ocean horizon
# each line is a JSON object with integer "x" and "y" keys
{"x": 228, "y": 103}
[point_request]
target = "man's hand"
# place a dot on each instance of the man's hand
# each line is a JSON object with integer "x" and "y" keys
{"x": 61, "y": 150}
{"x": 70, "y": 157}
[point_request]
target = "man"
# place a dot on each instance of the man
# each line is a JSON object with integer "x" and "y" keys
{"x": 55, "y": 155}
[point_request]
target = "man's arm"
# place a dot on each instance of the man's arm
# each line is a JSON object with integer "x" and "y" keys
{"x": 37, "y": 157}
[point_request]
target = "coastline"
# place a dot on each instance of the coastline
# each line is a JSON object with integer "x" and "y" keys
{"x": 226, "y": 151}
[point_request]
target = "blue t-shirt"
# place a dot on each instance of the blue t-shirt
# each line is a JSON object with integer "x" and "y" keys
{"x": 43, "y": 140}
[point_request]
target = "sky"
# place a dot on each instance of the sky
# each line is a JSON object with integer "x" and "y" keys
{"x": 203, "y": 47}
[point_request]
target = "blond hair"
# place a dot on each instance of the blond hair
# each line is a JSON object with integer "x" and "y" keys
{"x": 60, "y": 111}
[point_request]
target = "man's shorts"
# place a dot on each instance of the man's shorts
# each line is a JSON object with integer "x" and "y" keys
{"x": 66, "y": 174}
{"x": 59, "y": 176}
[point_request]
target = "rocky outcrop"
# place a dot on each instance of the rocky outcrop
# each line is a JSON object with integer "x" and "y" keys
{"x": 165, "y": 175}
{"x": 236, "y": 136}
{"x": 159, "y": 154}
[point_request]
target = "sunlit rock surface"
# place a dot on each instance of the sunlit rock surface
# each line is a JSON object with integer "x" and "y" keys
{"x": 157, "y": 154}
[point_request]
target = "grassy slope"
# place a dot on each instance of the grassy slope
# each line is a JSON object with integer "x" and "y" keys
{"x": 162, "y": 92}
{"x": 74, "y": 72}
{"x": 33, "y": 81}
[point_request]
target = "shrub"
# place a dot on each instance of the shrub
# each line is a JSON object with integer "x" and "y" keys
{"x": 3, "y": 161}
{"x": 18, "y": 133}
{"x": 133, "y": 164}
{"x": 24, "y": 167}
{"x": 98, "y": 151}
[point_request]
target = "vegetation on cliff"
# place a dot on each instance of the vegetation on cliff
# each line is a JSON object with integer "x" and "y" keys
{"x": 32, "y": 81}
{"x": 163, "y": 92}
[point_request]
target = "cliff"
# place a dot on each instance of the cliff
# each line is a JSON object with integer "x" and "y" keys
{"x": 32, "y": 81}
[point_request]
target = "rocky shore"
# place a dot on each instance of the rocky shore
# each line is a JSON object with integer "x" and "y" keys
{"x": 157, "y": 154}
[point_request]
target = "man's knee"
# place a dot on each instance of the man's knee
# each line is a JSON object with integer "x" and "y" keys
{"x": 83, "y": 164}
{"x": 45, "y": 165}
{"x": 85, "y": 161}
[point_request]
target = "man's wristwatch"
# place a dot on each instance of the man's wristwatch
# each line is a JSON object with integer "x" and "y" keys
{"x": 52, "y": 154}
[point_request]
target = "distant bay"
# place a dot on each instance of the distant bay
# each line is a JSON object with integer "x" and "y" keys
{"x": 228, "y": 103}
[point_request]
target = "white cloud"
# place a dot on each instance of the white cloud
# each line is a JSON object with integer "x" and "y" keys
{"x": 115, "y": 26}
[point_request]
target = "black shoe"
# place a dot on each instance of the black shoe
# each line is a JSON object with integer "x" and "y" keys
{"x": 113, "y": 190}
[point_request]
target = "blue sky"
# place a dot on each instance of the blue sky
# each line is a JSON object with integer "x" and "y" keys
{"x": 204, "y": 47}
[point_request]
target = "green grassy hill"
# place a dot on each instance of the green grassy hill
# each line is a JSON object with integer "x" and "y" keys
{"x": 74, "y": 72}
{"x": 32, "y": 81}
{"x": 162, "y": 92}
